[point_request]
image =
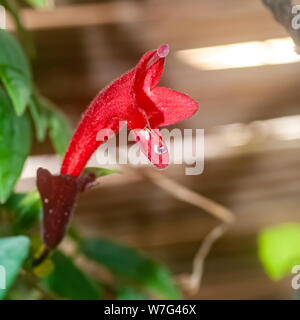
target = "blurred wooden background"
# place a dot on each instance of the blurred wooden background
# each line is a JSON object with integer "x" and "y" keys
{"x": 83, "y": 45}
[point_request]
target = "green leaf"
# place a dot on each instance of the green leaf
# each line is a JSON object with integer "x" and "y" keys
{"x": 130, "y": 263}
{"x": 127, "y": 293}
{"x": 69, "y": 282}
{"x": 40, "y": 119}
{"x": 15, "y": 141}
{"x": 60, "y": 130}
{"x": 13, "y": 252}
{"x": 27, "y": 208}
{"x": 15, "y": 72}
{"x": 279, "y": 249}
{"x": 38, "y": 3}
{"x": 100, "y": 172}
{"x": 45, "y": 116}
{"x": 74, "y": 234}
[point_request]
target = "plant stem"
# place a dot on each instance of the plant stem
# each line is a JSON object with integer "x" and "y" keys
{"x": 41, "y": 258}
{"x": 193, "y": 281}
{"x": 182, "y": 193}
{"x": 199, "y": 259}
{"x": 31, "y": 279}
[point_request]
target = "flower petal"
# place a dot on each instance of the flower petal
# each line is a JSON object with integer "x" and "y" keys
{"x": 172, "y": 107}
{"x": 150, "y": 68}
{"x": 113, "y": 104}
{"x": 147, "y": 76}
{"x": 153, "y": 146}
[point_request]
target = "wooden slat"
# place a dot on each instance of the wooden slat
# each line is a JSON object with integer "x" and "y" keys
{"x": 79, "y": 15}
{"x": 74, "y": 63}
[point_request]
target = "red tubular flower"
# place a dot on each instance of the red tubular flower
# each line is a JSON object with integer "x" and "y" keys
{"x": 134, "y": 98}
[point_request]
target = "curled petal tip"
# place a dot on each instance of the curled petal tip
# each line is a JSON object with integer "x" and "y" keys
{"x": 159, "y": 54}
{"x": 163, "y": 51}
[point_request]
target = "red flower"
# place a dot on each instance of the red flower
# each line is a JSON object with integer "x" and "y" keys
{"x": 134, "y": 98}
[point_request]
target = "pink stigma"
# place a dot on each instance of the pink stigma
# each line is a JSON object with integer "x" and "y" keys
{"x": 163, "y": 51}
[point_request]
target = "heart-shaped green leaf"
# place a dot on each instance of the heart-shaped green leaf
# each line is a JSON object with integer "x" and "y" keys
{"x": 13, "y": 252}
{"x": 15, "y": 141}
{"x": 26, "y": 210}
{"x": 60, "y": 131}
{"x": 68, "y": 281}
{"x": 279, "y": 249}
{"x": 131, "y": 264}
{"x": 40, "y": 118}
{"x": 15, "y": 72}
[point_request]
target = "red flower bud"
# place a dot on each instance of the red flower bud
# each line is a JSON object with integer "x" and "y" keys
{"x": 58, "y": 194}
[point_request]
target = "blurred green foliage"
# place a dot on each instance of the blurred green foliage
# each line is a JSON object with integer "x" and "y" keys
{"x": 131, "y": 264}
{"x": 15, "y": 72}
{"x": 26, "y": 210}
{"x": 69, "y": 282}
{"x": 13, "y": 252}
{"x": 47, "y": 117}
{"x": 15, "y": 142}
{"x": 37, "y": 3}
{"x": 129, "y": 293}
{"x": 279, "y": 249}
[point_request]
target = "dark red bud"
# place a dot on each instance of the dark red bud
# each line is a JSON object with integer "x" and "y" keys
{"x": 58, "y": 194}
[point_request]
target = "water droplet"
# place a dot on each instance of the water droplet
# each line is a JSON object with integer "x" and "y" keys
{"x": 46, "y": 200}
{"x": 160, "y": 150}
{"x": 50, "y": 211}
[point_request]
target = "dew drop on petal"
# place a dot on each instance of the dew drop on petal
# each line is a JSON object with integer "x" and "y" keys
{"x": 160, "y": 150}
